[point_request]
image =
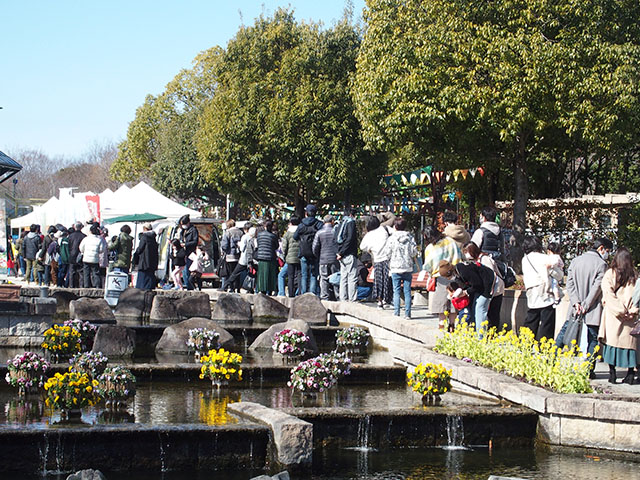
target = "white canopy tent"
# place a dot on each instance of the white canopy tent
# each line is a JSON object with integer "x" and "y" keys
{"x": 72, "y": 206}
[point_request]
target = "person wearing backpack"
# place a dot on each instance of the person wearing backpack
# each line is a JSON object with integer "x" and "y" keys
{"x": 304, "y": 235}
{"x": 230, "y": 247}
{"x": 473, "y": 253}
{"x": 488, "y": 237}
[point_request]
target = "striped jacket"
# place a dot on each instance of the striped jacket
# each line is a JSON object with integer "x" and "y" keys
{"x": 445, "y": 249}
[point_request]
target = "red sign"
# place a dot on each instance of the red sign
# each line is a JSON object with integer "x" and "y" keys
{"x": 93, "y": 203}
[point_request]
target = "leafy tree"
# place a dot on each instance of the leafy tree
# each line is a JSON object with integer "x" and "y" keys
{"x": 512, "y": 84}
{"x": 281, "y": 126}
{"x": 160, "y": 140}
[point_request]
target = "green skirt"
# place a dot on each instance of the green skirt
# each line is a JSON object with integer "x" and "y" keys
{"x": 267, "y": 278}
{"x": 619, "y": 357}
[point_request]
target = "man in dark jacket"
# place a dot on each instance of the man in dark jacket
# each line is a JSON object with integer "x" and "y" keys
{"x": 347, "y": 240}
{"x": 75, "y": 267}
{"x": 32, "y": 246}
{"x": 146, "y": 258}
{"x": 325, "y": 249}
{"x": 189, "y": 239}
{"x": 63, "y": 260}
{"x": 305, "y": 234}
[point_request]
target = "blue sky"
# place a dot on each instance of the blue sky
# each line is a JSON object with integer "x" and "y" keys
{"x": 74, "y": 72}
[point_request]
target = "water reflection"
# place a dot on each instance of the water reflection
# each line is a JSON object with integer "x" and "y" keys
{"x": 24, "y": 411}
{"x": 213, "y": 408}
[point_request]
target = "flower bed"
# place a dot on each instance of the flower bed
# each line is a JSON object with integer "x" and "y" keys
{"x": 71, "y": 390}
{"x": 93, "y": 364}
{"x": 26, "y": 372}
{"x": 319, "y": 373}
{"x": 521, "y": 356}
{"x": 61, "y": 341}
{"x": 290, "y": 342}
{"x": 86, "y": 330}
{"x": 352, "y": 337}
{"x": 220, "y": 366}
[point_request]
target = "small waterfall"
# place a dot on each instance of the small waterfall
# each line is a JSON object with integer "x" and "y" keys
{"x": 246, "y": 343}
{"x": 163, "y": 457}
{"x": 364, "y": 428}
{"x": 455, "y": 433}
{"x": 44, "y": 455}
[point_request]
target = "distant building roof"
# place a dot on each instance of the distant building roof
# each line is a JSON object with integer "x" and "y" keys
{"x": 8, "y": 167}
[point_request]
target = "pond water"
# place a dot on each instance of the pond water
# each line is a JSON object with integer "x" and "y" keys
{"x": 424, "y": 464}
{"x": 189, "y": 402}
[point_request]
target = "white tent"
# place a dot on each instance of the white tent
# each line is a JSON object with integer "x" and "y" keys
{"x": 71, "y": 207}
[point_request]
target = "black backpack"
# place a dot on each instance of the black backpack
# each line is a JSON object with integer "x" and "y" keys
{"x": 306, "y": 234}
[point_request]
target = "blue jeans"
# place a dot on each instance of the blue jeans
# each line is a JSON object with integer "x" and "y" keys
{"x": 62, "y": 275}
{"x": 401, "y": 281}
{"x": 281, "y": 280}
{"x": 186, "y": 275}
{"x": 480, "y": 311}
{"x": 309, "y": 278}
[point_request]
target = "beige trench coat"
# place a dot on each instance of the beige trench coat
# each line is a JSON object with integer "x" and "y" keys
{"x": 614, "y": 330}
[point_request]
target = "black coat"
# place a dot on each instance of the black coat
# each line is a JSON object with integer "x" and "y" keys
{"x": 190, "y": 238}
{"x": 349, "y": 246}
{"x": 75, "y": 238}
{"x": 476, "y": 279}
{"x": 267, "y": 246}
{"x": 178, "y": 259}
{"x": 32, "y": 245}
{"x": 146, "y": 255}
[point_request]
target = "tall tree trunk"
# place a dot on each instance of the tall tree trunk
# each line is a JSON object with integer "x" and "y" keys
{"x": 520, "y": 198}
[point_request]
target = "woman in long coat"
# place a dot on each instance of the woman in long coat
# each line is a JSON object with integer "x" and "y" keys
{"x": 619, "y": 316}
{"x": 267, "y": 244}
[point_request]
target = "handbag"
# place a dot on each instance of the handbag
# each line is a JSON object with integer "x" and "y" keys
{"x": 572, "y": 329}
{"x": 249, "y": 283}
{"x": 431, "y": 284}
{"x": 371, "y": 275}
{"x": 223, "y": 268}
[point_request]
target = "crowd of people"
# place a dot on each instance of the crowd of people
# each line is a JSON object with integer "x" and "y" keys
{"x": 466, "y": 275}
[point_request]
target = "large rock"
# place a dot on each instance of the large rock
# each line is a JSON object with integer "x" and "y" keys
{"x": 268, "y": 309}
{"x": 309, "y": 308}
{"x": 134, "y": 306}
{"x": 195, "y": 305}
{"x": 265, "y": 339}
{"x": 64, "y": 298}
{"x": 115, "y": 341}
{"x": 163, "y": 310}
{"x": 174, "y": 338}
{"x": 94, "y": 310}
{"x": 231, "y": 308}
{"x": 87, "y": 475}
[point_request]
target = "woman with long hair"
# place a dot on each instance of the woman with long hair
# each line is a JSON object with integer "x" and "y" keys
{"x": 619, "y": 315}
{"x": 439, "y": 247}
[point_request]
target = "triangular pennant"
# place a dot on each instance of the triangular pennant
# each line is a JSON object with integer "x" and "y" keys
{"x": 387, "y": 179}
{"x": 481, "y": 170}
{"x": 448, "y": 177}
{"x": 459, "y": 194}
{"x": 473, "y": 171}
{"x": 464, "y": 173}
{"x": 444, "y": 197}
{"x": 438, "y": 176}
{"x": 405, "y": 180}
{"x": 427, "y": 169}
{"x": 413, "y": 178}
{"x": 456, "y": 174}
{"x": 452, "y": 196}
{"x": 424, "y": 177}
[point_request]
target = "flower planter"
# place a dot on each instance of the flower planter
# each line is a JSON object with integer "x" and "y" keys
{"x": 431, "y": 400}
{"x": 24, "y": 377}
{"x": 218, "y": 383}
{"x": 71, "y": 414}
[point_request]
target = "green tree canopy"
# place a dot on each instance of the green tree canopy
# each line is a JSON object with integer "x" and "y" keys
{"x": 507, "y": 83}
{"x": 281, "y": 125}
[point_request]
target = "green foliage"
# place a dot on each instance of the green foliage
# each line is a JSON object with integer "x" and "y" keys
{"x": 519, "y": 84}
{"x": 281, "y": 124}
{"x": 159, "y": 140}
{"x": 521, "y": 356}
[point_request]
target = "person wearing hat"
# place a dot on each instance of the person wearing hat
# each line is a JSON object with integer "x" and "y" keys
{"x": 146, "y": 258}
{"x": 305, "y": 234}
